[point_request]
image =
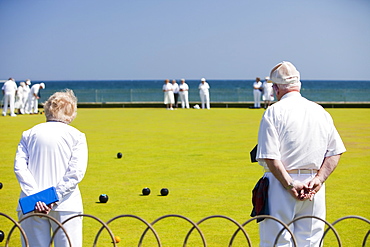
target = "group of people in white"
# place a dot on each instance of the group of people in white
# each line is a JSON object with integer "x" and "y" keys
{"x": 24, "y": 97}
{"x": 263, "y": 89}
{"x": 173, "y": 90}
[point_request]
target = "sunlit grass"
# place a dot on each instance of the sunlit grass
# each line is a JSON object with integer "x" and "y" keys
{"x": 202, "y": 157}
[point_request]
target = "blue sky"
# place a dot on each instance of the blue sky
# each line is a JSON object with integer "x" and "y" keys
{"x": 156, "y": 39}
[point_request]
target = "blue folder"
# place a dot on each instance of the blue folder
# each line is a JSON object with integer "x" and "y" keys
{"x": 47, "y": 196}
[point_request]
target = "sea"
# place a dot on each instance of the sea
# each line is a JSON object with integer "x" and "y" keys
{"x": 150, "y": 91}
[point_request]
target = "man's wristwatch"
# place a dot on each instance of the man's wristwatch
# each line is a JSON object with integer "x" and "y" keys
{"x": 290, "y": 186}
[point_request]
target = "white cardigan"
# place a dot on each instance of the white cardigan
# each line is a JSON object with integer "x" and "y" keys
{"x": 52, "y": 154}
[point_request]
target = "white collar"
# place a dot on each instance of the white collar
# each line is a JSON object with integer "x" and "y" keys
{"x": 291, "y": 94}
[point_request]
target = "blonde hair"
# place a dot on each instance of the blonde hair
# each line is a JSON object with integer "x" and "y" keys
{"x": 61, "y": 107}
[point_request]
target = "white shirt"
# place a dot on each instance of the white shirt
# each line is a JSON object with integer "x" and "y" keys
{"x": 298, "y": 132}
{"x": 22, "y": 91}
{"x": 167, "y": 87}
{"x": 34, "y": 90}
{"x": 184, "y": 87}
{"x": 52, "y": 154}
{"x": 267, "y": 91}
{"x": 257, "y": 85}
{"x": 203, "y": 88}
{"x": 175, "y": 88}
{"x": 9, "y": 87}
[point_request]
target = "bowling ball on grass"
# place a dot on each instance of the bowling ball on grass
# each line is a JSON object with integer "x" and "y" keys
{"x": 164, "y": 192}
{"x": 103, "y": 198}
{"x": 146, "y": 191}
{"x": 2, "y": 236}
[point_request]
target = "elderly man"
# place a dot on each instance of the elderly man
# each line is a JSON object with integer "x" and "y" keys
{"x": 257, "y": 91}
{"x": 204, "y": 93}
{"x": 9, "y": 91}
{"x": 184, "y": 94}
{"x": 299, "y": 147}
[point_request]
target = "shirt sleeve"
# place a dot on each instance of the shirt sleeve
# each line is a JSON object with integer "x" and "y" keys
{"x": 268, "y": 139}
{"x": 25, "y": 178}
{"x": 76, "y": 168}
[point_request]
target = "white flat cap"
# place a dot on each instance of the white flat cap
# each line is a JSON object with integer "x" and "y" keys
{"x": 284, "y": 73}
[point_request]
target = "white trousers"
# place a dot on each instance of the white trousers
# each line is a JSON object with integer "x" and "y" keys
{"x": 257, "y": 98}
{"x": 20, "y": 103}
{"x": 204, "y": 97}
{"x": 308, "y": 232}
{"x": 9, "y": 100}
{"x": 23, "y": 104}
{"x": 184, "y": 96}
{"x": 38, "y": 230}
{"x": 32, "y": 105}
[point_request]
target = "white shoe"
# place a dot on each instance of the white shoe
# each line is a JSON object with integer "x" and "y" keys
{"x": 171, "y": 108}
{"x": 13, "y": 115}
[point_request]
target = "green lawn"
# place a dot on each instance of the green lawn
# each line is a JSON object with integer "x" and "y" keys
{"x": 202, "y": 157}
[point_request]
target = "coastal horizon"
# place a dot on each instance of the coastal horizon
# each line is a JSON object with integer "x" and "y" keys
{"x": 238, "y": 91}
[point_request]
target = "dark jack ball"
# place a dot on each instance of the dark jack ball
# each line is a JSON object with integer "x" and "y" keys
{"x": 2, "y": 236}
{"x": 103, "y": 198}
{"x": 146, "y": 191}
{"x": 119, "y": 155}
{"x": 1, "y": 186}
{"x": 164, "y": 192}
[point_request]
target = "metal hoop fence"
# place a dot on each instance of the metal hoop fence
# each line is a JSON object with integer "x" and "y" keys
{"x": 194, "y": 226}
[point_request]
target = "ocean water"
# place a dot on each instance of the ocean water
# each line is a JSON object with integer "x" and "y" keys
{"x": 221, "y": 90}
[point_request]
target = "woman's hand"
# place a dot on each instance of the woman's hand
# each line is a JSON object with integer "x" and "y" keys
{"x": 42, "y": 208}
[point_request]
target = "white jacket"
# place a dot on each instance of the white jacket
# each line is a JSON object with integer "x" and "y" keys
{"x": 52, "y": 154}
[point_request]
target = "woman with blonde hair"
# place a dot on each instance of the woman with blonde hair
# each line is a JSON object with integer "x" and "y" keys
{"x": 53, "y": 154}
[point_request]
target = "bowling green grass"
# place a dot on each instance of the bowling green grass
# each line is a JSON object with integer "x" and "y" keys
{"x": 202, "y": 157}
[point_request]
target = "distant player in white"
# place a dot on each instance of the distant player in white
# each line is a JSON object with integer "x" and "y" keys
{"x": 20, "y": 101}
{"x": 268, "y": 92}
{"x": 204, "y": 93}
{"x": 33, "y": 98}
{"x": 169, "y": 99}
{"x": 257, "y": 86}
{"x": 9, "y": 91}
{"x": 176, "y": 90}
{"x": 184, "y": 94}
{"x": 53, "y": 154}
{"x": 25, "y": 96}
